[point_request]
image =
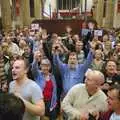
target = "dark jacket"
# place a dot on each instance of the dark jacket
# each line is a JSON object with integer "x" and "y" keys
{"x": 105, "y": 115}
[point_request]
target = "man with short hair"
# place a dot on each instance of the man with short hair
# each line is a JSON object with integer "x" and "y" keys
{"x": 73, "y": 72}
{"x": 85, "y": 99}
{"x": 113, "y": 104}
{"x": 27, "y": 90}
{"x": 111, "y": 75}
{"x": 11, "y": 107}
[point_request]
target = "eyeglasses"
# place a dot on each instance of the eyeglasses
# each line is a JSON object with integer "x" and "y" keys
{"x": 112, "y": 97}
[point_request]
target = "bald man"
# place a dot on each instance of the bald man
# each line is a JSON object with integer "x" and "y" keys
{"x": 85, "y": 99}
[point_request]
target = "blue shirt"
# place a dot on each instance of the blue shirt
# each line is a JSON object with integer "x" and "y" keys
{"x": 71, "y": 77}
{"x": 40, "y": 80}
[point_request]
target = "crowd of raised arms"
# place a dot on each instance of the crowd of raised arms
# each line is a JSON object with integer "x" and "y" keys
{"x": 76, "y": 75}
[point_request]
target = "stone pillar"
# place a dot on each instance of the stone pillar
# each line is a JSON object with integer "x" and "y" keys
{"x": 54, "y": 5}
{"x": 95, "y": 2}
{"x": 38, "y": 9}
{"x": 19, "y": 18}
{"x": 6, "y": 14}
{"x": 99, "y": 12}
{"x": 116, "y": 16}
{"x": 109, "y": 14}
{"x": 25, "y": 9}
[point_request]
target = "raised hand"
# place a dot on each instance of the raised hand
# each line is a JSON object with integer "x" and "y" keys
{"x": 37, "y": 55}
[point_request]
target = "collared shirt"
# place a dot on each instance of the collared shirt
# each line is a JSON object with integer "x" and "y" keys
{"x": 71, "y": 77}
{"x": 77, "y": 101}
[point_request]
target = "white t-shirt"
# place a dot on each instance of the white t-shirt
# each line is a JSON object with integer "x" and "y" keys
{"x": 114, "y": 116}
{"x": 31, "y": 92}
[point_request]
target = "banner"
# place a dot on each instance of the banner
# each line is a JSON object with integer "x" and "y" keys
{"x": 35, "y": 26}
{"x": 85, "y": 32}
{"x": 98, "y": 32}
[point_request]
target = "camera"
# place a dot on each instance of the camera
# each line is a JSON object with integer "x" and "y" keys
{"x": 56, "y": 47}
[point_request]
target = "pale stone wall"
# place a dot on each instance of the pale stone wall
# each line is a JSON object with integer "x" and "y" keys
{"x": 109, "y": 14}
{"x": 95, "y": 8}
{"x": 38, "y": 9}
{"x": 24, "y": 18}
{"x": 26, "y": 12}
{"x": 112, "y": 18}
{"x": 116, "y": 22}
{"x": 99, "y": 12}
{"x": 54, "y": 5}
{"x": 0, "y": 8}
{"x": 6, "y": 14}
{"x": 107, "y": 21}
{"x": 89, "y": 5}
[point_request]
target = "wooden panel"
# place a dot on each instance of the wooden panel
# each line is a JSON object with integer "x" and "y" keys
{"x": 58, "y": 26}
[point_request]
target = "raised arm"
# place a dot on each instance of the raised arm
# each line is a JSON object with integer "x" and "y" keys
{"x": 88, "y": 61}
{"x": 35, "y": 68}
{"x": 56, "y": 58}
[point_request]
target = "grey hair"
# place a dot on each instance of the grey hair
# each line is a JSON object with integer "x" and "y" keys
{"x": 99, "y": 74}
{"x": 46, "y": 61}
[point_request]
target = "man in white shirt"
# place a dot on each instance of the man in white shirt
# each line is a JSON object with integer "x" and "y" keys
{"x": 85, "y": 99}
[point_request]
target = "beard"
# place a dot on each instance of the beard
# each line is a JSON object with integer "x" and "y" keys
{"x": 72, "y": 66}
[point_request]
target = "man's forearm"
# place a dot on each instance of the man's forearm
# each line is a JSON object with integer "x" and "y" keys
{"x": 36, "y": 109}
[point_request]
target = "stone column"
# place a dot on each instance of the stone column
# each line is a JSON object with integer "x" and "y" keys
{"x": 25, "y": 9}
{"x": 109, "y": 14}
{"x": 81, "y": 5}
{"x": 99, "y": 12}
{"x": 94, "y": 8}
{"x": 6, "y": 14}
{"x": 53, "y": 5}
{"x": 19, "y": 16}
{"x": 116, "y": 16}
{"x": 38, "y": 9}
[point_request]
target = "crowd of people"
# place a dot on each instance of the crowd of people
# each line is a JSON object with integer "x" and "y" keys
{"x": 74, "y": 74}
